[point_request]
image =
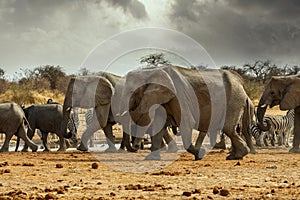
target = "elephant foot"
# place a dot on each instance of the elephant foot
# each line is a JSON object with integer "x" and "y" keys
{"x": 294, "y": 150}
{"x": 220, "y": 145}
{"x": 24, "y": 150}
{"x": 233, "y": 157}
{"x": 238, "y": 154}
{"x": 201, "y": 153}
{"x": 4, "y": 150}
{"x": 34, "y": 148}
{"x": 46, "y": 150}
{"x": 172, "y": 147}
{"x": 82, "y": 147}
{"x": 253, "y": 151}
{"x": 111, "y": 150}
{"x": 62, "y": 149}
{"x": 154, "y": 155}
{"x": 121, "y": 150}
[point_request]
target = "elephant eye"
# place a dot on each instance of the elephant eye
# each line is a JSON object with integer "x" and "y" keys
{"x": 272, "y": 92}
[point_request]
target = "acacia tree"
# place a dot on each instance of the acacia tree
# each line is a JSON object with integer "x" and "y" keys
{"x": 50, "y": 73}
{"x": 2, "y": 72}
{"x": 154, "y": 60}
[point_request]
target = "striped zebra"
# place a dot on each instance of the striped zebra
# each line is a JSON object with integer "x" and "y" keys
{"x": 88, "y": 119}
{"x": 260, "y": 137}
{"x": 281, "y": 128}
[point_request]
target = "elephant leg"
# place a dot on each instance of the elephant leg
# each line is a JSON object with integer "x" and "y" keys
{"x": 172, "y": 146}
{"x": 30, "y": 134}
{"x": 155, "y": 146}
{"x": 45, "y": 141}
{"x": 239, "y": 147}
{"x": 94, "y": 126}
{"x": 62, "y": 143}
{"x": 296, "y": 140}
{"x": 110, "y": 138}
{"x": 5, "y": 146}
{"x": 92, "y": 141}
{"x": 221, "y": 144}
{"x": 22, "y": 134}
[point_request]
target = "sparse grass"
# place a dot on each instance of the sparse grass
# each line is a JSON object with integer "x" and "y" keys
{"x": 22, "y": 93}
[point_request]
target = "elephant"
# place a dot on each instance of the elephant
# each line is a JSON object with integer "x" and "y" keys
{"x": 48, "y": 118}
{"x": 94, "y": 92}
{"x": 12, "y": 122}
{"x": 80, "y": 93}
{"x": 169, "y": 88}
{"x": 285, "y": 92}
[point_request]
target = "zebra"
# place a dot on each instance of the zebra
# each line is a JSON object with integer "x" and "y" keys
{"x": 281, "y": 126}
{"x": 88, "y": 119}
{"x": 259, "y": 136}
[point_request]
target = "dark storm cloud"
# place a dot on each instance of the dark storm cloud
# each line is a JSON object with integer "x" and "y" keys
{"x": 135, "y": 7}
{"x": 239, "y": 31}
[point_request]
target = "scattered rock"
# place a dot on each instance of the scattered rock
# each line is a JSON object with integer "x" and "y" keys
{"x": 28, "y": 164}
{"x": 237, "y": 164}
{"x": 59, "y": 165}
{"x": 112, "y": 194}
{"x": 167, "y": 173}
{"x": 6, "y": 171}
{"x": 272, "y": 167}
{"x": 187, "y": 194}
{"x": 209, "y": 197}
{"x": 272, "y": 191}
{"x": 216, "y": 190}
{"x": 207, "y": 165}
{"x": 224, "y": 192}
{"x": 50, "y": 196}
{"x": 99, "y": 183}
{"x": 3, "y": 164}
{"x": 95, "y": 166}
{"x": 197, "y": 191}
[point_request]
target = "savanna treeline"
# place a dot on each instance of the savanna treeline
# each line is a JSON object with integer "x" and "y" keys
{"x": 35, "y": 86}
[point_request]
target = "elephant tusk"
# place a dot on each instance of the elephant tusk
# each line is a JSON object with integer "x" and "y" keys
{"x": 124, "y": 113}
{"x": 264, "y": 105}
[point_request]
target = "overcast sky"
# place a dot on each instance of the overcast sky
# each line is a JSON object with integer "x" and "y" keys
{"x": 63, "y": 32}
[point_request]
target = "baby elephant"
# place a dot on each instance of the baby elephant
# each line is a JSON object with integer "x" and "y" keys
{"x": 47, "y": 118}
{"x": 12, "y": 122}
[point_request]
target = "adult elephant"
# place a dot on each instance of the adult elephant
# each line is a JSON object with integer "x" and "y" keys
{"x": 285, "y": 92}
{"x": 48, "y": 118}
{"x": 12, "y": 122}
{"x": 208, "y": 101}
{"x": 95, "y": 92}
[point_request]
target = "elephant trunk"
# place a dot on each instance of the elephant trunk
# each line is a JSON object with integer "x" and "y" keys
{"x": 261, "y": 110}
{"x": 67, "y": 110}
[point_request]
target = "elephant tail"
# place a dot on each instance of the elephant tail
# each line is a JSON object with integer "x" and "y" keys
{"x": 246, "y": 122}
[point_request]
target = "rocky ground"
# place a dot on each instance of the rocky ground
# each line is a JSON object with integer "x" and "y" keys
{"x": 271, "y": 174}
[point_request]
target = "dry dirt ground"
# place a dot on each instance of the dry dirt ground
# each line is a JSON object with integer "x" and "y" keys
{"x": 271, "y": 174}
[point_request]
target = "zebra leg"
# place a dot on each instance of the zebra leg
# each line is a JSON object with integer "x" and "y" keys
{"x": 280, "y": 136}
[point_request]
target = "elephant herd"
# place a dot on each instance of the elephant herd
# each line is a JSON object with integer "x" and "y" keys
{"x": 148, "y": 100}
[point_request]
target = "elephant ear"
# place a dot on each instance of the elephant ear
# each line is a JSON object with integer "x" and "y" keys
{"x": 290, "y": 99}
{"x": 160, "y": 84}
{"x": 104, "y": 92}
